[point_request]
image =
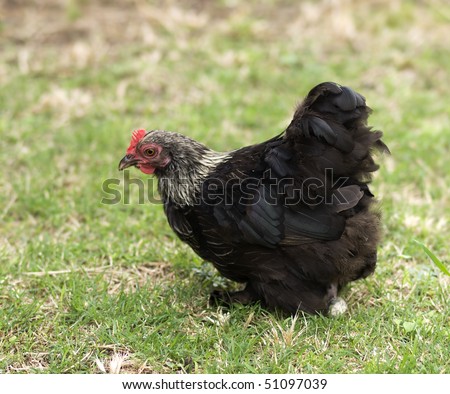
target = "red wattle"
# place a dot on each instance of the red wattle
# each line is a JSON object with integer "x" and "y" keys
{"x": 147, "y": 170}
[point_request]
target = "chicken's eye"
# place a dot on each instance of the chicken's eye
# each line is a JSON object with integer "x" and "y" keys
{"x": 150, "y": 152}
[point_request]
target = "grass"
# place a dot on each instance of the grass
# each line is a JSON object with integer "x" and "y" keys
{"x": 88, "y": 287}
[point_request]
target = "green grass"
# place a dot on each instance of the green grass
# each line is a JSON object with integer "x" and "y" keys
{"x": 82, "y": 282}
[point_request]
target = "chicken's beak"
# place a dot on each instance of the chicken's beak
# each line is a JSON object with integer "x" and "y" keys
{"x": 127, "y": 161}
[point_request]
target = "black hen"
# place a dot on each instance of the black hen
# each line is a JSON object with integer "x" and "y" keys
{"x": 291, "y": 217}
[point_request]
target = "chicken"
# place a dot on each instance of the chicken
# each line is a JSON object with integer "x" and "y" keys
{"x": 292, "y": 217}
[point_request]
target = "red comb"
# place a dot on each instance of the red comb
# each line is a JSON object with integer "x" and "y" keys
{"x": 135, "y": 138}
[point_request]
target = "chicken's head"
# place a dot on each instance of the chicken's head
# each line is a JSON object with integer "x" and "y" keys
{"x": 145, "y": 154}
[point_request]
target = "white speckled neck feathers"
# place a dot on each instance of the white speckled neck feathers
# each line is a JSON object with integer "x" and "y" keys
{"x": 182, "y": 180}
{"x": 190, "y": 164}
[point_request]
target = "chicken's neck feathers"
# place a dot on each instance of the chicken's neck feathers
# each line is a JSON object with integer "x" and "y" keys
{"x": 182, "y": 181}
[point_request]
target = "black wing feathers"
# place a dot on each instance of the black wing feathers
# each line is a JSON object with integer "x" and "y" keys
{"x": 278, "y": 159}
{"x": 328, "y": 131}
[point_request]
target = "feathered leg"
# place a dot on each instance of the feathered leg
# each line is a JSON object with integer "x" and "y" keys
{"x": 246, "y": 296}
